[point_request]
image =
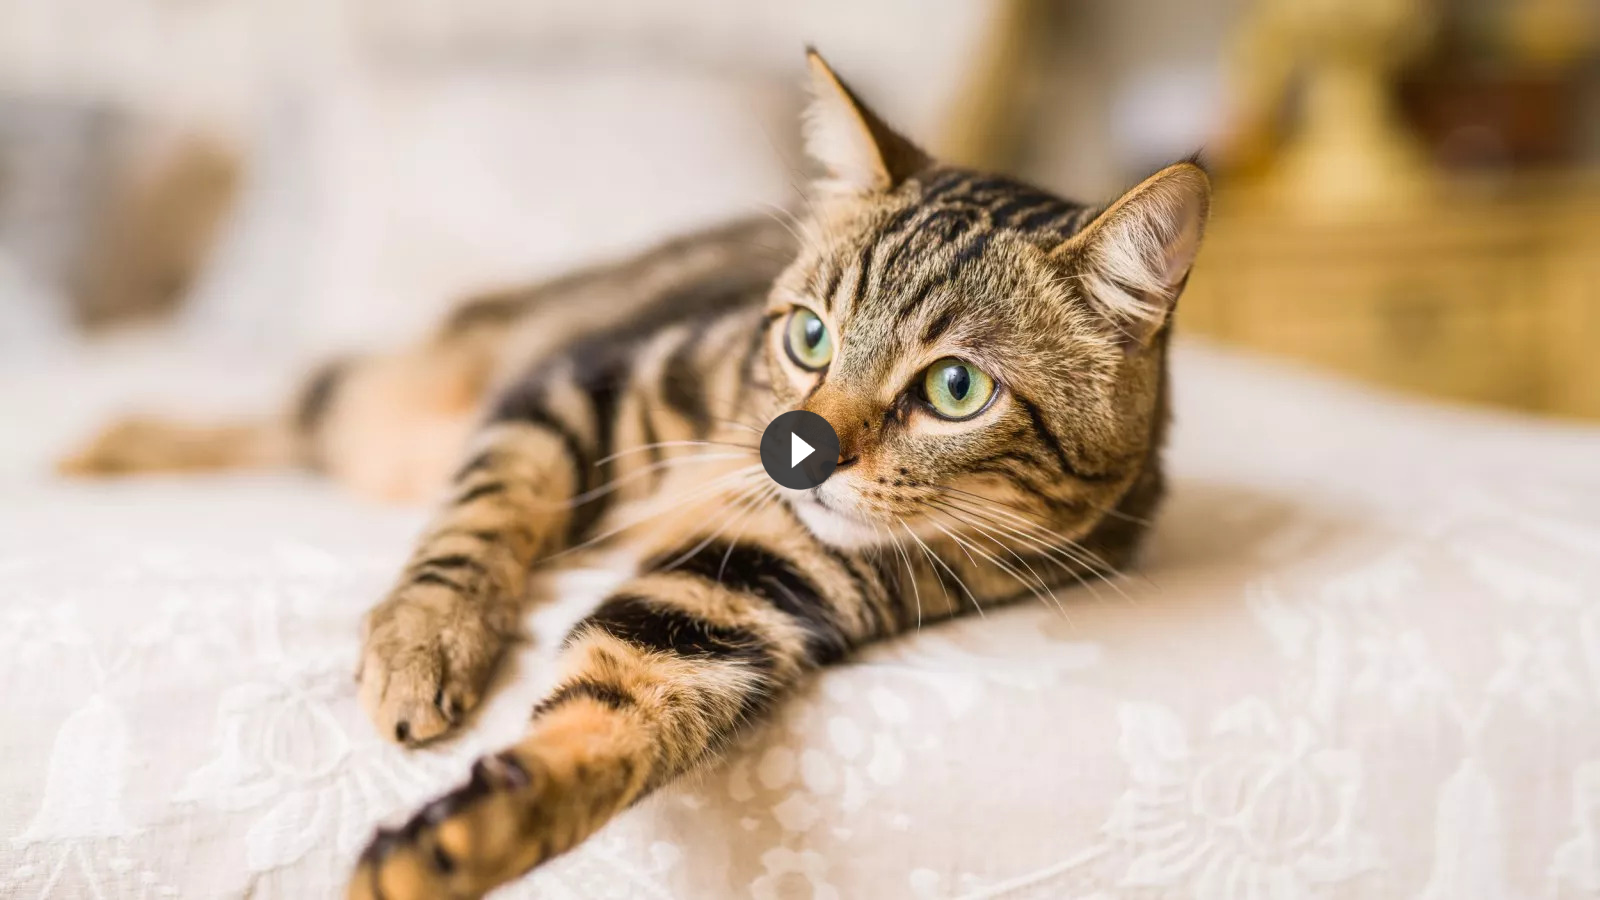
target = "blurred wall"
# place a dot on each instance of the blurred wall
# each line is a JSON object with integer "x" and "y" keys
{"x": 1124, "y": 88}
{"x": 402, "y": 152}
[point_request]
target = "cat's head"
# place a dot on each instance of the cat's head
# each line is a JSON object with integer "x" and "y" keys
{"x": 982, "y": 348}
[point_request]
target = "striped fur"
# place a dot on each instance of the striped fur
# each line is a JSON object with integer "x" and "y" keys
{"x": 624, "y": 404}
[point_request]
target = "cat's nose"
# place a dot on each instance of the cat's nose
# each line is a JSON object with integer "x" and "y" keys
{"x": 848, "y": 416}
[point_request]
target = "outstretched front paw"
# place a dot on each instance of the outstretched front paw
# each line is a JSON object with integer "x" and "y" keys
{"x": 426, "y": 663}
{"x": 463, "y": 844}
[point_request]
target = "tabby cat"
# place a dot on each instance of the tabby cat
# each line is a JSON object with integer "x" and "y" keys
{"x": 991, "y": 357}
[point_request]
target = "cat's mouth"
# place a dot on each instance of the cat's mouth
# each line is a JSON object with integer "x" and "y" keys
{"x": 835, "y": 523}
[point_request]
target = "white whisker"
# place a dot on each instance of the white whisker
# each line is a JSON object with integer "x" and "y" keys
{"x": 940, "y": 562}
{"x": 661, "y": 444}
{"x": 1046, "y": 538}
{"x": 740, "y": 508}
{"x": 617, "y": 483}
{"x": 1061, "y": 557}
{"x": 1007, "y": 568}
{"x": 910, "y": 573}
{"x": 716, "y": 484}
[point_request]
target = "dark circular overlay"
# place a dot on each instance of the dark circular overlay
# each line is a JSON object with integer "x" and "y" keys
{"x": 799, "y": 450}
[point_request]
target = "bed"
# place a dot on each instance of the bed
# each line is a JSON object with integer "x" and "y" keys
{"x": 1361, "y": 658}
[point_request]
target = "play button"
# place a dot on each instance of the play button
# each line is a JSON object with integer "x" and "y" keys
{"x": 799, "y": 449}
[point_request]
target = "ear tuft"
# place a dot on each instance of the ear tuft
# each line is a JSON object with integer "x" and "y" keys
{"x": 1133, "y": 259}
{"x": 860, "y": 153}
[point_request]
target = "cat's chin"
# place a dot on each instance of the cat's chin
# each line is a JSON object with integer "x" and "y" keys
{"x": 837, "y": 529}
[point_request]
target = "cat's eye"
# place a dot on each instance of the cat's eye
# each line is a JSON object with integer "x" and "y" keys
{"x": 956, "y": 389}
{"x": 807, "y": 340}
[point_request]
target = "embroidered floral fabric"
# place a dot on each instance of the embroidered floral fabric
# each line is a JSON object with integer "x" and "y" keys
{"x": 1361, "y": 659}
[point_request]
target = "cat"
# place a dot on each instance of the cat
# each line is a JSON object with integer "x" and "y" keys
{"x": 991, "y": 357}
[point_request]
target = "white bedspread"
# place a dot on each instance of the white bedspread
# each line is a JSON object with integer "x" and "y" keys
{"x": 1362, "y": 660}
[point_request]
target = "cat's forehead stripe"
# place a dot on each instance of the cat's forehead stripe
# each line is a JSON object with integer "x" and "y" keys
{"x": 863, "y": 274}
{"x": 1011, "y": 204}
{"x": 951, "y": 207}
{"x": 831, "y": 285}
{"x": 917, "y": 298}
{"x": 938, "y": 326}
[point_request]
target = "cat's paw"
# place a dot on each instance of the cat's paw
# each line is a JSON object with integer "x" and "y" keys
{"x": 425, "y": 665}
{"x": 462, "y": 845}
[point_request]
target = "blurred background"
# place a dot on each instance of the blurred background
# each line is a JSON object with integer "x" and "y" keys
{"x": 1409, "y": 190}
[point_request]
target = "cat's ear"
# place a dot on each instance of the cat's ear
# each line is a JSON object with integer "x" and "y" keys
{"x": 1132, "y": 261}
{"x": 860, "y": 153}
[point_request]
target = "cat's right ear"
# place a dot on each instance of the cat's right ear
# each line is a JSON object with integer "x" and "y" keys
{"x": 859, "y": 152}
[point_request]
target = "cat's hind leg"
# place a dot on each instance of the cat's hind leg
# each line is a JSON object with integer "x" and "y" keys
{"x": 150, "y": 444}
{"x": 390, "y": 427}
{"x": 141, "y": 444}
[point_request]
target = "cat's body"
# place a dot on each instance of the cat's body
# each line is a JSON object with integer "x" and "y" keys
{"x": 992, "y": 359}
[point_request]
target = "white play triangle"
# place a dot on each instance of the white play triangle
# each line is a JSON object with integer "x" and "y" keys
{"x": 798, "y": 450}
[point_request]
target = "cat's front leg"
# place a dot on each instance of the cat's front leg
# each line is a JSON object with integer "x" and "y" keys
{"x": 565, "y": 443}
{"x": 432, "y": 645}
{"x": 657, "y": 681}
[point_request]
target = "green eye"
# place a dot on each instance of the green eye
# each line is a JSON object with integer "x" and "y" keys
{"x": 956, "y": 389}
{"x": 808, "y": 341}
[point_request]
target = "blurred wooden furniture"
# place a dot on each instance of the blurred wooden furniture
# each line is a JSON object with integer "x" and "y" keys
{"x": 1345, "y": 149}
{"x": 1487, "y": 291}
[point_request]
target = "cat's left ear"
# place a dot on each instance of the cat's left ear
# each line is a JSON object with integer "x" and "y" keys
{"x": 860, "y": 152}
{"x": 1133, "y": 259}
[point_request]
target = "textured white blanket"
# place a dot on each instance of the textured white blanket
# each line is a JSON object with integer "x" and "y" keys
{"x": 1362, "y": 659}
